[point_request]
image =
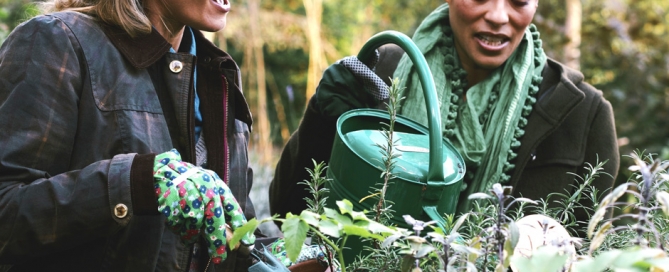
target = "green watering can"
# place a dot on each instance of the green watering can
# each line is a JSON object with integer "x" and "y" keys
{"x": 429, "y": 172}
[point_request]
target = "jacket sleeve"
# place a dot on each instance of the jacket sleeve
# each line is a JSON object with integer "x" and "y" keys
{"x": 338, "y": 92}
{"x": 45, "y": 206}
{"x": 313, "y": 139}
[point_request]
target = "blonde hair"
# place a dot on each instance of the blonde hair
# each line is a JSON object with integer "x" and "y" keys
{"x": 127, "y": 14}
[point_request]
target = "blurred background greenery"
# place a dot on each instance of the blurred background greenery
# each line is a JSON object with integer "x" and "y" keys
{"x": 621, "y": 46}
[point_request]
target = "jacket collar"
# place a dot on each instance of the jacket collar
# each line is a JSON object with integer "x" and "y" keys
{"x": 144, "y": 50}
{"x": 559, "y": 92}
{"x": 141, "y": 51}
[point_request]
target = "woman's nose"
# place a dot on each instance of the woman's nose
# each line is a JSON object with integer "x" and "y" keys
{"x": 497, "y": 13}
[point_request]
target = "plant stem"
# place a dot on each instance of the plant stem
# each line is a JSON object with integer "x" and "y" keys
{"x": 340, "y": 253}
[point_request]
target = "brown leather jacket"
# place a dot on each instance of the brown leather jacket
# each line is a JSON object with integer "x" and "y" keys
{"x": 78, "y": 102}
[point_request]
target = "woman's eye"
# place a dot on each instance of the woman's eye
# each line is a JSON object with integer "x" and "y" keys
{"x": 521, "y": 2}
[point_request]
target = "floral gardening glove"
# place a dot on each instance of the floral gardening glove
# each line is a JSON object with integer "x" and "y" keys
{"x": 196, "y": 201}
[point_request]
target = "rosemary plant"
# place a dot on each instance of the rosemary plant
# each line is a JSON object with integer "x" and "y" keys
{"x": 388, "y": 151}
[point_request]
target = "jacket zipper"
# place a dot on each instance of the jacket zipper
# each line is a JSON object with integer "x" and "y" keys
{"x": 226, "y": 98}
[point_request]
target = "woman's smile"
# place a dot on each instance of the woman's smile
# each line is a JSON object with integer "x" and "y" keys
{"x": 492, "y": 42}
{"x": 487, "y": 32}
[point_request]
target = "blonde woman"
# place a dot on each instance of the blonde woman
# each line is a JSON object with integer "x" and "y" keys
{"x": 124, "y": 140}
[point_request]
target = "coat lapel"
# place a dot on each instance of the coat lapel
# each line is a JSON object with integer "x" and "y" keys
{"x": 558, "y": 96}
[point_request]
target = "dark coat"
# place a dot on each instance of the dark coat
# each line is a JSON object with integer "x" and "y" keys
{"x": 570, "y": 126}
{"x": 84, "y": 108}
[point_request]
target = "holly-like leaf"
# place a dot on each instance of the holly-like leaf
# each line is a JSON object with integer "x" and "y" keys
{"x": 295, "y": 232}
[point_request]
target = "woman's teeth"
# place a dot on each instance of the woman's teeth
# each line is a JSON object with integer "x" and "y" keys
{"x": 492, "y": 41}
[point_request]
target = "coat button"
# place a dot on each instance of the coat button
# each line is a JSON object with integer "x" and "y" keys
{"x": 176, "y": 66}
{"x": 121, "y": 210}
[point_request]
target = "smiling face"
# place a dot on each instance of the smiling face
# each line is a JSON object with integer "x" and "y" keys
{"x": 207, "y": 15}
{"x": 488, "y": 31}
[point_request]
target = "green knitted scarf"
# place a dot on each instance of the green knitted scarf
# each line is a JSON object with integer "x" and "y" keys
{"x": 485, "y": 128}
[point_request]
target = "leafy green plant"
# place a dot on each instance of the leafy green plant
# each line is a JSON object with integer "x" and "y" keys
{"x": 485, "y": 239}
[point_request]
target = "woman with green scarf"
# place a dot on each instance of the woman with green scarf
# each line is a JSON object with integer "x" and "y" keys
{"x": 517, "y": 117}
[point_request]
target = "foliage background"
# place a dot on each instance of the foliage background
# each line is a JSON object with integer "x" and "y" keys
{"x": 624, "y": 51}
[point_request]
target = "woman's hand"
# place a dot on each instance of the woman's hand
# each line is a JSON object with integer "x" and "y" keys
{"x": 346, "y": 85}
{"x": 196, "y": 201}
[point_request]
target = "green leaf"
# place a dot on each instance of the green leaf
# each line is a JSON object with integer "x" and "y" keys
{"x": 424, "y": 250}
{"x": 345, "y": 206}
{"x": 634, "y": 257}
{"x": 659, "y": 262}
{"x": 359, "y": 231}
{"x": 359, "y": 216}
{"x": 237, "y": 235}
{"x": 310, "y": 218}
{"x": 474, "y": 249}
{"x": 295, "y": 232}
{"x": 544, "y": 259}
{"x": 586, "y": 264}
{"x": 514, "y": 235}
{"x": 338, "y": 217}
{"x": 380, "y": 228}
{"x": 407, "y": 263}
{"x": 330, "y": 228}
{"x": 508, "y": 253}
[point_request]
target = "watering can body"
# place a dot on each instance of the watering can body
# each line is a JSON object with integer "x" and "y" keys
{"x": 356, "y": 164}
{"x": 428, "y": 173}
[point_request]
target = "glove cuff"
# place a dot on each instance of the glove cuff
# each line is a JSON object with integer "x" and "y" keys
{"x": 142, "y": 186}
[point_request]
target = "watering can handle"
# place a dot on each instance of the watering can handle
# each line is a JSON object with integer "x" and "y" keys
{"x": 435, "y": 175}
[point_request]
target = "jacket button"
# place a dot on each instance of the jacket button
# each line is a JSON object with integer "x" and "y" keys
{"x": 121, "y": 210}
{"x": 176, "y": 66}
